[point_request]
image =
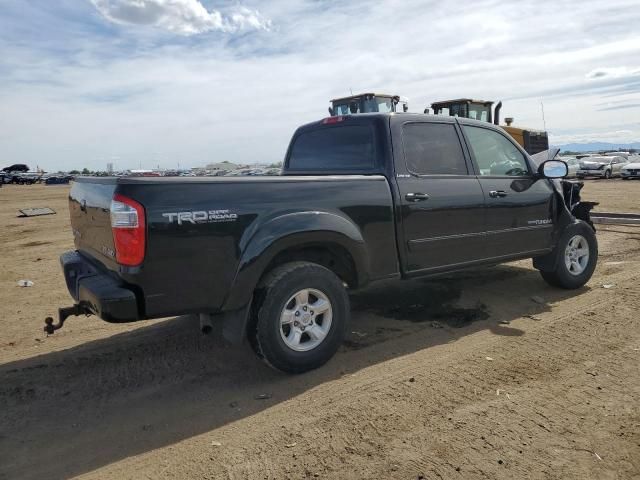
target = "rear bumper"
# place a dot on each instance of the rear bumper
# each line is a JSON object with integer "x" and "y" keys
{"x": 98, "y": 291}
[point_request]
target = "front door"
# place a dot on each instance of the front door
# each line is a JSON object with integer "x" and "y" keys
{"x": 519, "y": 206}
{"x": 441, "y": 201}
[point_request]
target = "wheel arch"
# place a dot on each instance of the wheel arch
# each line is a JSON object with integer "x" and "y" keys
{"x": 325, "y": 238}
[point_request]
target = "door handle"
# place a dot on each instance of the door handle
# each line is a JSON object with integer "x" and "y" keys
{"x": 497, "y": 193}
{"x": 416, "y": 197}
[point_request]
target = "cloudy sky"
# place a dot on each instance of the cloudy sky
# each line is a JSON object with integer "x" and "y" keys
{"x": 162, "y": 82}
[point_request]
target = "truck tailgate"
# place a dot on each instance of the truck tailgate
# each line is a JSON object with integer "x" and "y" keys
{"x": 89, "y": 207}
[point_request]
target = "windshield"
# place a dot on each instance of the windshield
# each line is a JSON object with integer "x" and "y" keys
{"x": 378, "y": 104}
{"x": 343, "y": 108}
{"x": 363, "y": 105}
{"x": 479, "y": 112}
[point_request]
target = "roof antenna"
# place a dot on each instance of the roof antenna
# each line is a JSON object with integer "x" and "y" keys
{"x": 543, "y": 120}
{"x": 351, "y": 90}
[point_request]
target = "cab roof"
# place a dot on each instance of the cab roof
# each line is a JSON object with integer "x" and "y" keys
{"x": 461, "y": 100}
{"x": 369, "y": 94}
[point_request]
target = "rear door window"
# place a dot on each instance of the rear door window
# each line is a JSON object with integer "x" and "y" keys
{"x": 433, "y": 149}
{"x": 349, "y": 147}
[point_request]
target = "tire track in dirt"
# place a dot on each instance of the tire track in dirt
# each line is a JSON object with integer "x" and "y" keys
{"x": 460, "y": 390}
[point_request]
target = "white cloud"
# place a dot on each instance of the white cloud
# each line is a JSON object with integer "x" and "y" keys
{"x": 185, "y": 17}
{"x": 618, "y": 72}
{"x": 162, "y": 99}
{"x": 612, "y": 136}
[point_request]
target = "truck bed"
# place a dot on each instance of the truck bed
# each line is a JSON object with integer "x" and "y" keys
{"x": 191, "y": 262}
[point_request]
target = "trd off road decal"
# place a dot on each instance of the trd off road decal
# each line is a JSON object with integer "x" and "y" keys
{"x": 210, "y": 216}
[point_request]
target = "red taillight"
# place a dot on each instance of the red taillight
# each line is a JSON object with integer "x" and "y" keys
{"x": 330, "y": 120}
{"x": 129, "y": 232}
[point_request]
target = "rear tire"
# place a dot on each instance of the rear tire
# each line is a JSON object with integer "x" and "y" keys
{"x": 576, "y": 257}
{"x": 607, "y": 174}
{"x": 301, "y": 317}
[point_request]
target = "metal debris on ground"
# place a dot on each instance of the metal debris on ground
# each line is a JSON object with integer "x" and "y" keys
{"x": 608, "y": 285}
{"x": 537, "y": 299}
{"x": 614, "y": 218}
{"x": 360, "y": 334}
{"x": 263, "y": 396}
{"x": 489, "y": 358}
{"x": 25, "y": 283}
{"x": 36, "y": 212}
{"x": 215, "y": 443}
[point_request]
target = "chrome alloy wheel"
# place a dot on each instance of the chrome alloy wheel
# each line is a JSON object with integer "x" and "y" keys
{"x": 576, "y": 255}
{"x": 305, "y": 320}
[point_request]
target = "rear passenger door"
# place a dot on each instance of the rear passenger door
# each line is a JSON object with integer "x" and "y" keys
{"x": 519, "y": 205}
{"x": 441, "y": 201}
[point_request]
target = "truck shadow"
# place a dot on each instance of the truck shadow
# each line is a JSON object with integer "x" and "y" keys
{"x": 70, "y": 412}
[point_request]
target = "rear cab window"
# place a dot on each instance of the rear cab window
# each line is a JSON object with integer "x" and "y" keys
{"x": 339, "y": 148}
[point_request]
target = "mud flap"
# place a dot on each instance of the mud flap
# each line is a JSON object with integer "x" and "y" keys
{"x": 234, "y": 324}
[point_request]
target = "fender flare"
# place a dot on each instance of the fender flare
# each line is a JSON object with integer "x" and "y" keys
{"x": 293, "y": 230}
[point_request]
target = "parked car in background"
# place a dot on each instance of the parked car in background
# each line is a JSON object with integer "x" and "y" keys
{"x": 26, "y": 178}
{"x": 58, "y": 179}
{"x": 573, "y": 164}
{"x": 16, "y": 167}
{"x": 601, "y": 167}
{"x": 630, "y": 170}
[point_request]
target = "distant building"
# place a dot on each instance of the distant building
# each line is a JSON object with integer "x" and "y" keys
{"x": 228, "y": 166}
{"x": 109, "y": 168}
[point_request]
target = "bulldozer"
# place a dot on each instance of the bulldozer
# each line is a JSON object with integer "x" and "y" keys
{"x": 368, "y": 103}
{"x": 533, "y": 141}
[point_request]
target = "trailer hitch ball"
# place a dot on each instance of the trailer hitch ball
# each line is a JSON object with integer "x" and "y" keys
{"x": 63, "y": 314}
{"x": 48, "y": 327}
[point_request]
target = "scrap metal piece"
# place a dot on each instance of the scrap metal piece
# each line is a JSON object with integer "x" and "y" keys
{"x": 36, "y": 212}
{"x": 610, "y": 218}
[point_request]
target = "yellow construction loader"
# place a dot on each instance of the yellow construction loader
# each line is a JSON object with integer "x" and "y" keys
{"x": 533, "y": 141}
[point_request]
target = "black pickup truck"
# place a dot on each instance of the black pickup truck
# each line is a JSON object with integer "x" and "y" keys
{"x": 361, "y": 198}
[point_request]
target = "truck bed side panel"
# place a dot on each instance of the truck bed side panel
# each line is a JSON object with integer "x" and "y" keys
{"x": 192, "y": 265}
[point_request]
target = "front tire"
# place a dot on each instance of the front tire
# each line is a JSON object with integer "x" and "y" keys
{"x": 576, "y": 257}
{"x": 607, "y": 174}
{"x": 301, "y": 317}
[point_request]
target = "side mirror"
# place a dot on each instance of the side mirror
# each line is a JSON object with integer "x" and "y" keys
{"x": 553, "y": 169}
{"x": 331, "y": 111}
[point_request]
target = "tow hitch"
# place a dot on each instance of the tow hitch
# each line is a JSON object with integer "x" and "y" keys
{"x": 63, "y": 314}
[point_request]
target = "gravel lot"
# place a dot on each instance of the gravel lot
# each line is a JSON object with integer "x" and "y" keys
{"x": 487, "y": 374}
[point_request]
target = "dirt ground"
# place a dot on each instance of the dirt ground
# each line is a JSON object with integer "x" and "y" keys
{"x": 487, "y": 374}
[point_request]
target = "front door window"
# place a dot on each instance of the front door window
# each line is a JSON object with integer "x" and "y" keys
{"x": 495, "y": 154}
